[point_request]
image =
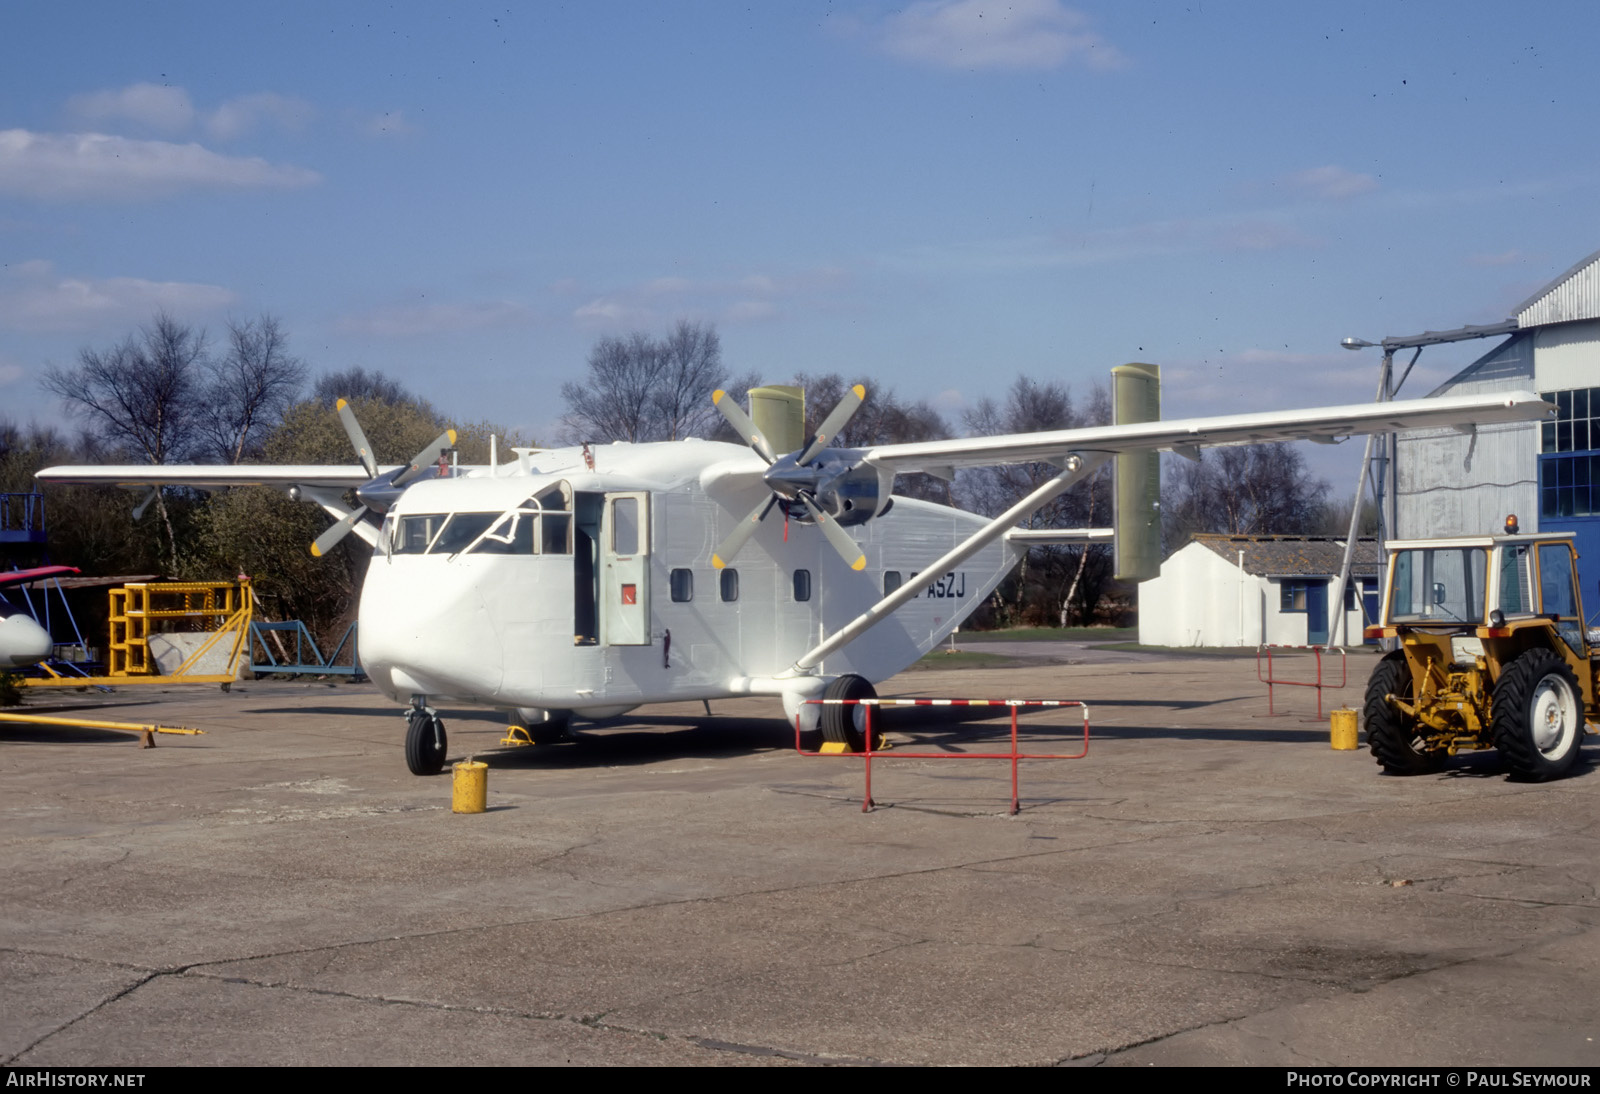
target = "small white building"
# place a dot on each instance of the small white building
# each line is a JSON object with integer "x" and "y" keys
{"x": 1223, "y": 590}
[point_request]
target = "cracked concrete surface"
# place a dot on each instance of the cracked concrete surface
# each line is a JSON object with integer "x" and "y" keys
{"x": 1208, "y": 886}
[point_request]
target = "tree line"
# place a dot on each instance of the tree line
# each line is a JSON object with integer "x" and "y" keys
{"x": 168, "y": 394}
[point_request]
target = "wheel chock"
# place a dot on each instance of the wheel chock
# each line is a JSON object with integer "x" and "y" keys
{"x": 516, "y": 735}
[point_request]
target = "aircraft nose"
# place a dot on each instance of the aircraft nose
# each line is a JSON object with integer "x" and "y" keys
{"x": 22, "y": 641}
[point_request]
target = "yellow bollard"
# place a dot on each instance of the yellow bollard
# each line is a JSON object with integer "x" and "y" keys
{"x": 1343, "y": 729}
{"x": 470, "y": 790}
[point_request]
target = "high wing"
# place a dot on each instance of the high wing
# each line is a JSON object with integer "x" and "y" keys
{"x": 208, "y": 477}
{"x": 1324, "y": 424}
{"x": 20, "y": 577}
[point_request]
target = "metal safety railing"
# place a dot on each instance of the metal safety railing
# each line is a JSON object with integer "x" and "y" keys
{"x": 307, "y": 656}
{"x": 1318, "y": 683}
{"x": 869, "y": 752}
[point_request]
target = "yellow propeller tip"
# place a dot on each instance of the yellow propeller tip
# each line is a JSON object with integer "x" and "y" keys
{"x": 452, "y": 434}
{"x": 717, "y": 563}
{"x": 860, "y": 390}
{"x": 316, "y": 552}
{"x": 716, "y": 396}
{"x": 860, "y": 563}
{"x": 342, "y": 403}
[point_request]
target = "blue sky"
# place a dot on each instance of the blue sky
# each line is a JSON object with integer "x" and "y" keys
{"x": 932, "y": 196}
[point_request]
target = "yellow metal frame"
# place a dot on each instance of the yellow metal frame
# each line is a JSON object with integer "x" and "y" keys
{"x": 227, "y": 606}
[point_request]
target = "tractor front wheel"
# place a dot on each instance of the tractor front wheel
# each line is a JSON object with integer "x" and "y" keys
{"x": 1392, "y": 737}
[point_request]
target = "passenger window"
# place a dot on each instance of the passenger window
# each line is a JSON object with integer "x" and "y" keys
{"x": 802, "y": 585}
{"x": 730, "y": 586}
{"x": 891, "y": 581}
{"x": 682, "y": 586}
{"x": 625, "y": 526}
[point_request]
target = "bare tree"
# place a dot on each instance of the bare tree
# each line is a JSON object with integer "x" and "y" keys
{"x": 251, "y": 387}
{"x": 145, "y": 396}
{"x": 641, "y": 388}
{"x": 1052, "y": 582}
{"x": 1257, "y": 489}
{"x": 357, "y": 384}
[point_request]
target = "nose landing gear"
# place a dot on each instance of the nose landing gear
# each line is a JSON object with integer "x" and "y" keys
{"x": 425, "y": 740}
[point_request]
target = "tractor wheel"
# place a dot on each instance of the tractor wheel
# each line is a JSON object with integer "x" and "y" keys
{"x": 1391, "y": 736}
{"x": 425, "y": 743}
{"x": 1538, "y": 716}
{"x": 847, "y": 725}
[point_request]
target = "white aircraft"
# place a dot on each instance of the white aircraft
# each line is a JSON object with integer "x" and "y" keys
{"x": 588, "y": 581}
{"x": 22, "y": 641}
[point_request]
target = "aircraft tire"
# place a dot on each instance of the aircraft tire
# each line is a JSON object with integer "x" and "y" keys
{"x": 1538, "y": 716}
{"x": 846, "y": 725}
{"x": 1391, "y": 738}
{"x": 426, "y": 743}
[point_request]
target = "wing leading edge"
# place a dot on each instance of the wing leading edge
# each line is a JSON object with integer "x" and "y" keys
{"x": 1324, "y": 424}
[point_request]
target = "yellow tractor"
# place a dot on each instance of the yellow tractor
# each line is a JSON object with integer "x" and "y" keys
{"x": 1492, "y": 653}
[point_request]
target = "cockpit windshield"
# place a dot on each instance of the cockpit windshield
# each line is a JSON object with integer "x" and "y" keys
{"x": 540, "y": 525}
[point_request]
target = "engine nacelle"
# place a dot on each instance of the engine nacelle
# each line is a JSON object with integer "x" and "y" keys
{"x": 854, "y": 493}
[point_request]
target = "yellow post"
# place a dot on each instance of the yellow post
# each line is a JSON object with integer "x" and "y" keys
{"x": 1343, "y": 729}
{"x": 470, "y": 792}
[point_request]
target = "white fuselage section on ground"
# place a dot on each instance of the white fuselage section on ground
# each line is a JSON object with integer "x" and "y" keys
{"x": 624, "y": 607}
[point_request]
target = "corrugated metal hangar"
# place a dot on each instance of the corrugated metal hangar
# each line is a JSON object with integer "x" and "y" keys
{"x": 1448, "y": 483}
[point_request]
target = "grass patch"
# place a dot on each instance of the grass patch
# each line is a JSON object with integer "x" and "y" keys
{"x": 1051, "y": 634}
{"x": 963, "y": 659}
{"x": 1186, "y": 651}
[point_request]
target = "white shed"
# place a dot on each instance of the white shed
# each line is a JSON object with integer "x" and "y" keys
{"x": 1223, "y": 590}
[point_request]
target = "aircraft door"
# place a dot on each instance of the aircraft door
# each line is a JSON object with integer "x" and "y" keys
{"x": 625, "y": 570}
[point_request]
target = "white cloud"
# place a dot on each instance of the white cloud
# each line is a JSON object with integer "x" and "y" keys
{"x": 1331, "y": 183}
{"x": 752, "y": 298}
{"x": 33, "y": 297}
{"x": 93, "y": 165}
{"x": 166, "y": 109}
{"x": 410, "y": 320}
{"x": 1015, "y": 34}
{"x": 245, "y": 113}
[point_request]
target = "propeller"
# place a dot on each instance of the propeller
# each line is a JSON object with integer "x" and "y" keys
{"x": 800, "y": 477}
{"x": 381, "y": 490}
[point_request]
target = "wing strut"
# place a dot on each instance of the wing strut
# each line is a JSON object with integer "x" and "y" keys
{"x": 1077, "y": 467}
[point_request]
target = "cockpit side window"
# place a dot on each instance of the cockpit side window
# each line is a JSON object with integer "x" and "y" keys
{"x": 417, "y": 532}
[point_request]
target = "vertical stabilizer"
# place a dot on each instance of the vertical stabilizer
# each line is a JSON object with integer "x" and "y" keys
{"x": 1136, "y": 397}
{"x": 780, "y": 413}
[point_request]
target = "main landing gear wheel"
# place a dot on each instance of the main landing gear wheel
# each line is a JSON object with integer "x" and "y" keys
{"x": 1538, "y": 716}
{"x": 847, "y": 725}
{"x": 1392, "y": 737}
{"x": 425, "y": 742}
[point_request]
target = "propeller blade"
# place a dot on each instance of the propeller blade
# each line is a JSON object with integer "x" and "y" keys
{"x": 328, "y": 540}
{"x": 848, "y": 549}
{"x": 426, "y": 458}
{"x": 745, "y": 529}
{"x": 834, "y": 422}
{"x": 742, "y": 424}
{"x": 358, "y": 437}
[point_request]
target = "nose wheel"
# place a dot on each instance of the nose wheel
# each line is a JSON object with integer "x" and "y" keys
{"x": 425, "y": 741}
